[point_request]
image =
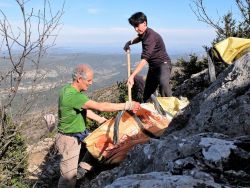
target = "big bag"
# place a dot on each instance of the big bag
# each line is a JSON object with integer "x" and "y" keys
{"x": 133, "y": 129}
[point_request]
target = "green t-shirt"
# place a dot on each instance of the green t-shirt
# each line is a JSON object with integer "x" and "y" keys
{"x": 72, "y": 117}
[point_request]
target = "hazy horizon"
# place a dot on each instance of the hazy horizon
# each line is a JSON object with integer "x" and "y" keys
{"x": 102, "y": 27}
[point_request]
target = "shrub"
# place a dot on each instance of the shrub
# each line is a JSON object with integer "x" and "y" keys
{"x": 137, "y": 90}
{"x": 123, "y": 91}
{"x": 13, "y": 155}
{"x": 188, "y": 67}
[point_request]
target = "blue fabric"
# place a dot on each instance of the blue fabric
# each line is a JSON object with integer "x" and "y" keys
{"x": 81, "y": 136}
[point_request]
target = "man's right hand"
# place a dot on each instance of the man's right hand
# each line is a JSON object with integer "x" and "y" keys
{"x": 126, "y": 47}
{"x": 130, "y": 81}
{"x": 136, "y": 107}
{"x": 132, "y": 105}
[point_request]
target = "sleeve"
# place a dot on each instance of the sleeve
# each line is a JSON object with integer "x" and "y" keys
{"x": 148, "y": 47}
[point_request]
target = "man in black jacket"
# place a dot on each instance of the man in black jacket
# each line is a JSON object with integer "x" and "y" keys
{"x": 154, "y": 53}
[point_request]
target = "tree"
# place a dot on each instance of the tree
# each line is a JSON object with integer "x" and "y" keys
{"x": 187, "y": 68}
{"x": 21, "y": 46}
{"x": 227, "y": 26}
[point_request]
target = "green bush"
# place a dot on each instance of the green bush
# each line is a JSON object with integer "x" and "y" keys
{"x": 188, "y": 67}
{"x": 123, "y": 91}
{"x": 193, "y": 65}
{"x": 92, "y": 125}
{"x": 13, "y": 156}
{"x": 137, "y": 92}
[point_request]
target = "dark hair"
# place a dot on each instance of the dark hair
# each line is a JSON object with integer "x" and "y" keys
{"x": 137, "y": 18}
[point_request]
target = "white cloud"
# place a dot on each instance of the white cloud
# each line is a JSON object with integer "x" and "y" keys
{"x": 94, "y": 35}
{"x": 187, "y": 36}
{"x": 93, "y": 11}
{"x": 180, "y": 39}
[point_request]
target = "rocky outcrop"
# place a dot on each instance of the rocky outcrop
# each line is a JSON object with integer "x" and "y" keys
{"x": 224, "y": 107}
{"x": 206, "y": 145}
{"x": 198, "y": 82}
{"x": 163, "y": 179}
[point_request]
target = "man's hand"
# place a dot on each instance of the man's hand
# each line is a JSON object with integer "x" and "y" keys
{"x": 126, "y": 47}
{"x": 133, "y": 106}
{"x": 130, "y": 81}
{"x": 136, "y": 107}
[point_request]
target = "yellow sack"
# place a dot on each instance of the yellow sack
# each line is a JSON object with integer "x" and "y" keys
{"x": 172, "y": 104}
{"x": 230, "y": 49}
{"x": 100, "y": 142}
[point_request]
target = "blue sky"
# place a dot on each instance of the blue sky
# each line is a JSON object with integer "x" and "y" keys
{"x": 102, "y": 25}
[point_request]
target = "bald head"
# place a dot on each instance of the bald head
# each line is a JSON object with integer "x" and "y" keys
{"x": 82, "y": 70}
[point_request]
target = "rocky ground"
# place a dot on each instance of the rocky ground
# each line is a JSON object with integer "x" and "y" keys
{"x": 206, "y": 145}
{"x": 43, "y": 163}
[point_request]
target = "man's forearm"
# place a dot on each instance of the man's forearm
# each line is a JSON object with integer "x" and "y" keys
{"x": 102, "y": 106}
{"x": 139, "y": 67}
{"x": 93, "y": 116}
{"x": 135, "y": 40}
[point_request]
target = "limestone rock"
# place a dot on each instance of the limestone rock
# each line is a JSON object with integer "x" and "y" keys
{"x": 207, "y": 142}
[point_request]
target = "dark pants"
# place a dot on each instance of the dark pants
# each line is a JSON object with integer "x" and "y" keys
{"x": 158, "y": 76}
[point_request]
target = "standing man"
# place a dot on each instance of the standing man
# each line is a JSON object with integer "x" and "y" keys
{"x": 74, "y": 107}
{"x": 154, "y": 53}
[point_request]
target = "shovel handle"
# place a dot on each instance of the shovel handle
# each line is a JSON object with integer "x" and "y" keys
{"x": 129, "y": 69}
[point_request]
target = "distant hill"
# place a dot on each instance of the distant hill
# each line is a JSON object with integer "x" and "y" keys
{"x": 56, "y": 68}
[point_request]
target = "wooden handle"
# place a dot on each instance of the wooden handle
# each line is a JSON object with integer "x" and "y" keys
{"x": 129, "y": 69}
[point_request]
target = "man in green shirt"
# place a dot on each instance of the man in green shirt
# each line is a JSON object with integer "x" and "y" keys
{"x": 73, "y": 109}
